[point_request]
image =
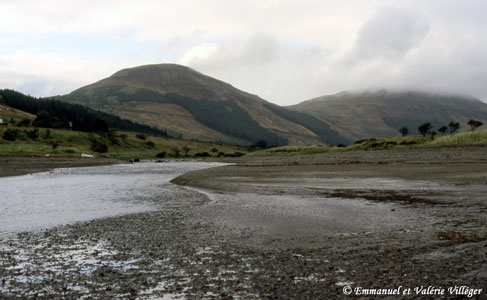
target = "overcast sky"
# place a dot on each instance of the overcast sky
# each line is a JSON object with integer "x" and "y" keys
{"x": 284, "y": 51}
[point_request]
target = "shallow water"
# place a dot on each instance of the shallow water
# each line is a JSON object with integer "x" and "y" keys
{"x": 68, "y": 195}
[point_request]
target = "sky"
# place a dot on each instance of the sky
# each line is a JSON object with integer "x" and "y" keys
{"x": 284, "y": 51}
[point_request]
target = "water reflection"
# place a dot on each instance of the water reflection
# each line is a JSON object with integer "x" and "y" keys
{"x": 78, "y": 194}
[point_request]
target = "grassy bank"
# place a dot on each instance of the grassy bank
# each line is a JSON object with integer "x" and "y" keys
{"x": 120, "y": 145}
{"x": 477, "y": 137}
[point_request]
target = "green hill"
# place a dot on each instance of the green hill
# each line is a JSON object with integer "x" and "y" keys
{"x": 379, "y": 114}
{"x": 199, "y": 107}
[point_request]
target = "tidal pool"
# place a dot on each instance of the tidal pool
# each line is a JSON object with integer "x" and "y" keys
{"x": 69, "y": 195}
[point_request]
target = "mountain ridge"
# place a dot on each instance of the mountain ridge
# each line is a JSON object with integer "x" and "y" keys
{"x": 198, "y": 106}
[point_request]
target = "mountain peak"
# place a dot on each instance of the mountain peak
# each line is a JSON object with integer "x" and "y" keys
{"x": 168, "y": 78}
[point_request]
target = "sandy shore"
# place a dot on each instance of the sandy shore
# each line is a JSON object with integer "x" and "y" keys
{"x": 304, "y": 227}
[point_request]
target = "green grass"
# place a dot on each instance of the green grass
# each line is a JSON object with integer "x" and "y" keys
{"x": 74, "y": 143}
{"x": 478, "y": 137}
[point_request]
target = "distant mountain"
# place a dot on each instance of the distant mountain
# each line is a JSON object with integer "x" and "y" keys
{"x": 381, "y": 113}
{"x": 181, "y": 100}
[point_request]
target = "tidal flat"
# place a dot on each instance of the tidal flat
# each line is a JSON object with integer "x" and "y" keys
{"x": 302, "y": 227}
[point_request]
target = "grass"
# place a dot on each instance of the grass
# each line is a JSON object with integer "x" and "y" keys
{"x": 127, "y": 145}
{"x": 477, "y": 137}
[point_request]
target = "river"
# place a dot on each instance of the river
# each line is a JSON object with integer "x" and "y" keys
{"x": 69, "y": 195}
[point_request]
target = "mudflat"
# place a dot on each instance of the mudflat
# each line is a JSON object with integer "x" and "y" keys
{"x": 21, "y": 165}
{"x": 407, "y": 223}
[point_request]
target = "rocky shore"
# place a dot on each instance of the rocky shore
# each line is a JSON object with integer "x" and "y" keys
{"x": 326, "y": 226}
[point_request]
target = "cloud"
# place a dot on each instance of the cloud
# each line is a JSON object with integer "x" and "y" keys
{"x": 47, "y": 74}
{"x": 285, "y": 51}
{"x": 389, "y": 34}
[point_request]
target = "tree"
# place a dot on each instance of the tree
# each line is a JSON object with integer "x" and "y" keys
{"x": 404, "y": 131}
{"x": 443, "y": 129}
{"x": 99, "y": 125}
{"x": 454, "y": 126}
{"x": 260, "y": 144}
{"x": 55, "y": 145}
{"x": 425, "y": 128}
{"x": 474, "y": 124}
{"x": 44, "y": 119}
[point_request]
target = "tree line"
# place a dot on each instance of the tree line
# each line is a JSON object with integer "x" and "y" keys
{"x": 452, "y": 127}
{"x": 58, "y": 114}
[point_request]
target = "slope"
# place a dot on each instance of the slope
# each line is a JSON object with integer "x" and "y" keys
{"x": 197, "y": 106}
{"x": 381, "y": 113}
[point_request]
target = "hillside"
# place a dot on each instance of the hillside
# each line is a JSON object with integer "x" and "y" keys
{"x": 199, "y": 107}
{"x": 378, "y": 114}
{"x": 59, "y": 114}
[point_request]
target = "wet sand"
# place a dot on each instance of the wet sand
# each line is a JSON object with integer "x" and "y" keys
{"x": 303, "y": 227}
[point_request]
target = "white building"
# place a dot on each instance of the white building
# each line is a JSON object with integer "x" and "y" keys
{"x": 1, "y": 121}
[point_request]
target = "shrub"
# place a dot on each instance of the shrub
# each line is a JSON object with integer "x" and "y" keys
{"x": 24, "y": 122}
{"x": 150, "y": 144}
{"x": 99, "y": 146}
{"x": 47, "y": 133}
{"x": 214, "y": 150}
{"x": 32, "y": 134}
{"x": 140, "y": 136}
{"x": 443, "y": 129}
{"x": 10, "y": 134}
{"x": 55, "y": 145}
{"x": 175, "y": 151}
{"x": 112, "y": 137}
{"x": 161, "y": 154}
{"x": 202, "y": 154}
{"x": 186, "y": 150}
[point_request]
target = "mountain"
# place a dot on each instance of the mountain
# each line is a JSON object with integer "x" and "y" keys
{"x": 380, "y": 113}
{"x": 195, "y": 106}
